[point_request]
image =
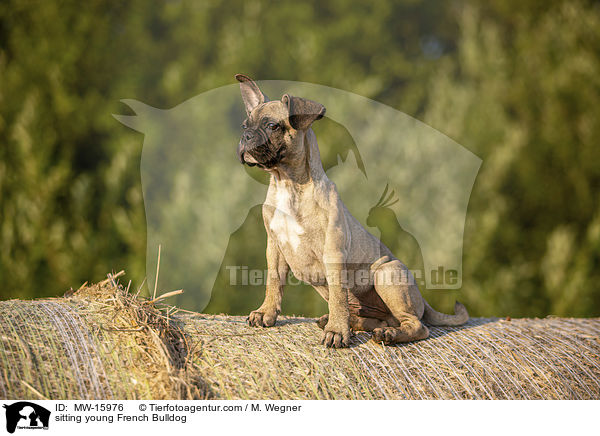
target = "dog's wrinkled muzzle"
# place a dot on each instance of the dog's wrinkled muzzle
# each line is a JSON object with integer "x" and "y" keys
{"x": 255, "y": 148}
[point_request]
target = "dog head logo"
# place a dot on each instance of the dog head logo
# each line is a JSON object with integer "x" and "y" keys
{"x": 196, "y": 194}
{"x": 26, "y": 415}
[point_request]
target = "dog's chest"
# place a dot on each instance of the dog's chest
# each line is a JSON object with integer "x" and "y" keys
{"x": 286, "y": 221}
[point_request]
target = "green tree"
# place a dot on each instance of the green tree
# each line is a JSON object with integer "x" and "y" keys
{"x": 515, "y": 82}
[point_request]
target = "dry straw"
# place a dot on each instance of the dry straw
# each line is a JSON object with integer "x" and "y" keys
{"x": 100, "y": 342}
{"x": 103, "y": 342}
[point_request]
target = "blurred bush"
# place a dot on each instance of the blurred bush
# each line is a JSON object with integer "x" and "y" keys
{"x": 523, "y": 92}
{"x": 517, "y": 83}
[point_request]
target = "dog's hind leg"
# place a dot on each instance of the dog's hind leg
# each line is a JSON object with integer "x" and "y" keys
{"x": 357, "y": 323}
{"x": 322, "y": 322}
{"x": 395, "y": 285}
{"x": 363, "y": 324}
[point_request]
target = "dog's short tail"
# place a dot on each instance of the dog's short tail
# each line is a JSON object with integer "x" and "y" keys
{"x": 433, "y": 317}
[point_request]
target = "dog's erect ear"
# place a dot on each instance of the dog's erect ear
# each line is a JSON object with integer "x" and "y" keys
{"x": 251, "y": 94}
{"x": 303, "y": 112}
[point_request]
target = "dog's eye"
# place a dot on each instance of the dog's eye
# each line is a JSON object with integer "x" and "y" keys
{"x": 272, "y": 126}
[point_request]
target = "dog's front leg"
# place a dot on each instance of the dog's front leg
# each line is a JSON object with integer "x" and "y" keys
{"x": 336, "y": 332}
{"x": 266, "y": 314}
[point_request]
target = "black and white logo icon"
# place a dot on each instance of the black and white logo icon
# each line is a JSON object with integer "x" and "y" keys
{"x": 26, "y": 415}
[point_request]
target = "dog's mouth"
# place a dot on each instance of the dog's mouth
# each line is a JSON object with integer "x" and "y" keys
{"x": 261, "y": 156}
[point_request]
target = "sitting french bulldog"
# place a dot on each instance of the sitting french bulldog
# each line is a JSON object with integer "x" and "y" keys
{"x": 310, "y": 231}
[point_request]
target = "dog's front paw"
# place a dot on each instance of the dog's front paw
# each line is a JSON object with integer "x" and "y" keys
{"x": 336, "y": 335}
{"x": 260, "y": 318}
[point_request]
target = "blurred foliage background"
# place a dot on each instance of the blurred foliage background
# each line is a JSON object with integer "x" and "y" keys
{"x": 516, "y": 82}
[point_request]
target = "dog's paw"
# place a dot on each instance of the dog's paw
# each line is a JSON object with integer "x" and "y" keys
{"x": 387, "y": 335}
{"x": 336, "y": 336}
{"x": 322, "y": 322}
{"x": 259, "y": 318}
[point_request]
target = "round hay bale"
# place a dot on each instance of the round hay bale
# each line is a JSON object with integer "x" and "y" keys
{"x": 104, "y": 343}
{"x": 552, "y": 358}
{"x": 99, "y": 343}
